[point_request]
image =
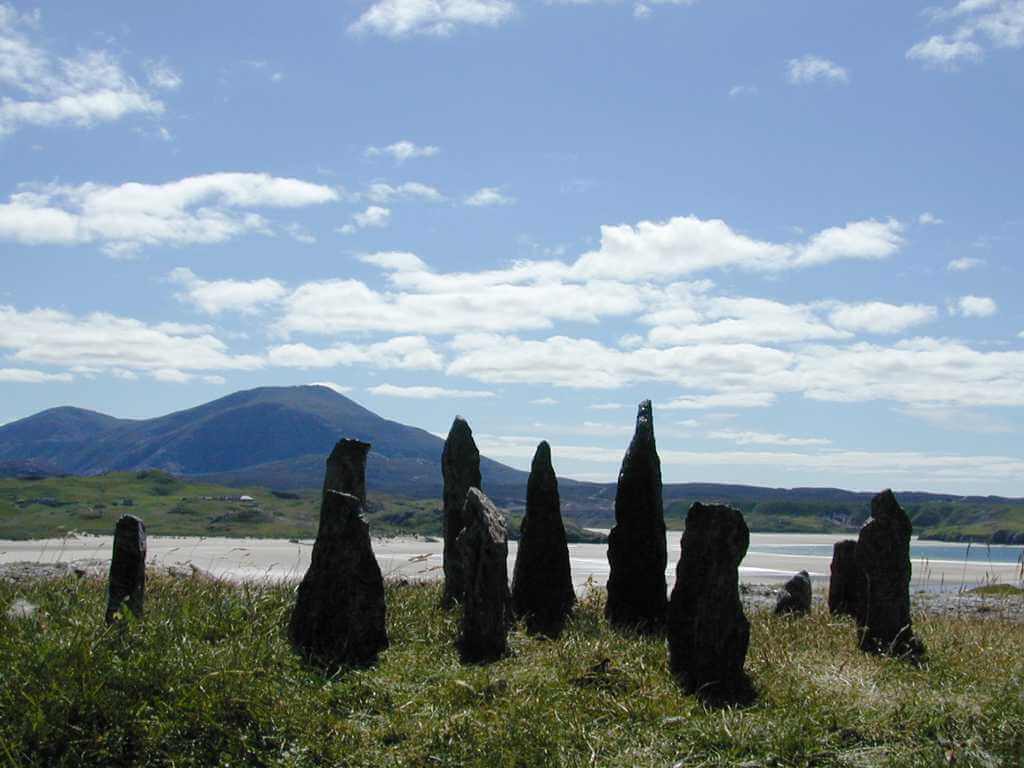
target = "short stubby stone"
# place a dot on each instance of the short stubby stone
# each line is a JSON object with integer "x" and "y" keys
{"x": 542, "y": 591}
{"x": 708, "y": 634}
{"x": 127, "y": 568}
{"x": 346, "y": 469}
{"x": 339, "y": 618}
{"x": 883, "y": 556}
{"x": 795, "y": 597}
{"x": 845, "y": 586}
{"x": 637, "y": 554}
{"x": 486, "y": 602}
{"x": 460, "y": 467}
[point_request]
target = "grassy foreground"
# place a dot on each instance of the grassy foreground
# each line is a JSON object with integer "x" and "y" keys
{"x": 209, "y": 679}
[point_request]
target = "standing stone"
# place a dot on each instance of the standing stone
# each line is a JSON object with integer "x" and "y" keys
{"x": 542, "y": 590}
{"x": 795, "y": 597}
{"x": 346, "y": 470}
{"x": 460, "y": 466}
{"x": 883, "y": 556}
{"x": 845, "y": 587}
{"x": 127, "y": 568}
{"x": 486, "y": 602}
{"x": 708, "y": 634}
{"x": 637, "y": 553}
{"x": 339, "y": 615}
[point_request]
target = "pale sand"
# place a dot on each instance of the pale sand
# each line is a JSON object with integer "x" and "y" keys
{"x": 410, "y": 558}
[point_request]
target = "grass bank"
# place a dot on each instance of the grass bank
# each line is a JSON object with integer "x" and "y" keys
{"x": 209, "y": 679}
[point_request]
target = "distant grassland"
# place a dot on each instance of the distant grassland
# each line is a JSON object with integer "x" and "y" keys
{"x": 208, "y": 679}
{"x": 172, "y": 506}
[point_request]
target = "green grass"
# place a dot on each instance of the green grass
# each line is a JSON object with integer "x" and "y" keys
{"x": 208, "y": 679}
{"x": 998, "y": 590}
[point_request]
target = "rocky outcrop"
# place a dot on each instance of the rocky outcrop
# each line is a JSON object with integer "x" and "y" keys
{"x": 846, "y": 585}
{"x": 339, "y": 619}
{"x": 127, "y": 568}
{"x": 636, "y": 545}
{"x": 486, "y": 602}
{"x": 460, "y": 467}
{"x": 883, "y": 556}
{"x": 708, "y": 633}
{"x": 346, "y": 470}
{"x": 542, "y": 590}
{"x": 795, "y": 598}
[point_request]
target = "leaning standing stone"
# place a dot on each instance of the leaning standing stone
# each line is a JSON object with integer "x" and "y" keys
{"x": 346, "y": 470}
{"x": 883, "y": 555}
{"x": 708, "y": 633}
{"x": 795, "y": 597}
{"x": 460, "y": 466}
{"x": 845, "y": 587}
{"x": 127, "y": 568}
{"x": 486, "y": 602}
{"x": 339, "y": 615}
{"x": 542, "y": 590}
{"x": 637, "y": 553}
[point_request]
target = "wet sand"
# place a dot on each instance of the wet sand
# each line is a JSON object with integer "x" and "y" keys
{"x": 419, "y": 559}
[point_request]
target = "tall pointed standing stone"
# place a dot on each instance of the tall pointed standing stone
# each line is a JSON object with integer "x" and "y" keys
{"x": 346, "y": 470}
{"x": 542, "y": 590}
{"x": 845, "y": 587}
{"x": 339, "y": 617}
{"x": 636, "y": 545}
{"x": 708, "y": 634}
{"x": 883, "y": 556}
{"x": 486, "y": 602}
{"x": 127, "y": 568}
{"x": 460, "y": 466}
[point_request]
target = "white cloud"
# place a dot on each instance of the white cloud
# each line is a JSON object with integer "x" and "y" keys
{"x": 406, "y": 352}
{"x": 341, "y": 390}
{"x": 88, "y": 89}
{"x": 742, "y": 90}
{"x": 997, "y": 23}
{"x": 974, "y": 306}
{"x": 956, "y": 419}
{"x": 300, "y": 234}
{"x": 123, "y": 219}
{"x": 438, "y": 18}
{"x": 812, "y": 69}
{"x": 26, "y": 376}
{"x": 964, "y": 264}
{"x": 403, "y": 150}
{"x": 607, "y": 406}
{"x": 427, "y": 393}
{"x": 382, "y": 193}
{"x": 928, "y": 219}
{"x": 374, "y": 216}
{"x": 104, "y": 341}
{"x": 751, "y": 399}
{"x": 544, "y": 401}
{"x": 216, "y": 296}
{"x": 162, "y": 75}
{"x": 879, "y": 317}
{"x": 764, "y": 438}
{"x": 488, "y": 196}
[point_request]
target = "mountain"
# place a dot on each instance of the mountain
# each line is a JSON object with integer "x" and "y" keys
{"x": 277, "y": 437}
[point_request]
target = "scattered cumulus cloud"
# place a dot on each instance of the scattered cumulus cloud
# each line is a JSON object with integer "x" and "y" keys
{"x": 402, "y": 352}
{"x": 375, "y": 216}
{"x": 742, "y": 90}
{"x": 488, "y": 196}
{"x": 815, "y": 69}
{"x": 544, "y": 401}
{"x": 928, "y": 219}
{"x": 341, "y": 390}
{"x": 965, "y": 264}
{"x": 974, "y": 306}
{"x": 764, "y": 438}
{"x": 427, "y": 393}
{"x": 27, "y": 376}
{"x": 162, "y": 75}
{"x": 382, "y": 193}
{"x": 216, "y": 296}
{"x": 403, "y": 150}
{"x": 434, "y": 18}
{"x": 975, "y": 27}
{"x": 879, "y": 317}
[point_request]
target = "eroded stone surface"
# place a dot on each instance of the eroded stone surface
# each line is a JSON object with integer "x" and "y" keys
{"x": 708, "y": 633}
{"x": 346, "y": 469}
{"x": 460, "y": 466}
{"x": 542, "y": 590}
{"x": 486, "y": 602}
{"x": 127, "y": 568}
{"x": 845, "y": 586}
{"x": 637, "y": 553}
{"x": 795, "y": 597}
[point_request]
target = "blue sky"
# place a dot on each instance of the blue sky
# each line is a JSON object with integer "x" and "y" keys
{"x": 797, "y": 227}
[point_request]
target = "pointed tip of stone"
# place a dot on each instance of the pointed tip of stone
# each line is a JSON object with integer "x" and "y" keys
{"x": 542, "y": 456}
{"x": 460, "y": 427}
{"x": 130, "y": 522}
{"x": 645, "y": 418}
{"x": 349, "y": 445}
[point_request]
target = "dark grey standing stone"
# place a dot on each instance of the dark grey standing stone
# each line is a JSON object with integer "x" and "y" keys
{"x": 127, "y": 568}
{"x": 542, "y": 590}
{"x": 460, "y": 467}
{"x": 846, "y": 585}
{"x": 346, "y": 470}
{"x": 486, "y": 602}
{"x": 883, "y": 556}
{"x": 637, "y": 553}
{"x": 339, "y": 617}
{"x": 708, "y": 633}
{"x": 795, "y": 597}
